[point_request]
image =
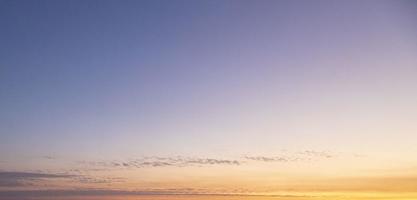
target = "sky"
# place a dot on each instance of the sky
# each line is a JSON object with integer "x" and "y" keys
{"x": 168, "y": 98}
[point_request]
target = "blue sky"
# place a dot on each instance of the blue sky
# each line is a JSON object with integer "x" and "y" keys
{"x": 86, "y": 70}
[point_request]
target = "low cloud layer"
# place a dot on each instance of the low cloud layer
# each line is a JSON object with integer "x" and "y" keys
{"x": 39, "y": 194}
{"x": 83, "y": 172}
{"x": 14, "y": 179}
{"x": 22, "y": 179}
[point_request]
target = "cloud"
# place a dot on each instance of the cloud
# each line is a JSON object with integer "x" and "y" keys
{"x": 317, "y": 154}
{"x": 25, "y": 179}
{"x": 154, "y": 161}
{"x": 22, "y": 175}
{"x": 38, "y": 194}
{"x": 267, "y": 159}
{"x": 182, "y": 161}
{"x": 98, "y": 180}
{"x": 14, "y": 179}
{"x": 396, "y": 184}
{"x": 49, "y": 157}
{"x": 307, "y": 155}
{"x": 10, "y": 183}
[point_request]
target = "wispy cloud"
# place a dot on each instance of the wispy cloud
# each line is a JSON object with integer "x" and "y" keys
{"x": 307, "y": 155}
{"x": 22, "y": 179}
{"x": 268, "y": 159}
{"x": 13, "y": 179}
{"x": 98, "y": 180}
{"x": 316, "y": 154}
{"x": 155, "y": 161}
{"x": 49, "y": 157}
{"x": 183, "y": 161}
{"x": 19, "y": 194}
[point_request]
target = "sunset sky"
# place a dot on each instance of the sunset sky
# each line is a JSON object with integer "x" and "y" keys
{"x": 188, "y": 99}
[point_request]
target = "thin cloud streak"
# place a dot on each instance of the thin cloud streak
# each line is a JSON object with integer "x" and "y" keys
{"x": 307, "y": 155}
{"x": 181, "y": 161}
{"x": 154, "y": 161}
{"x": 15, "y": 179}
{"x": 103, "y": 192}
{"x": 22, "y": 179}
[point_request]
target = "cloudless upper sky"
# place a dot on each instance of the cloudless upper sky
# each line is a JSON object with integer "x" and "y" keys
{"x": 113, "y": 79}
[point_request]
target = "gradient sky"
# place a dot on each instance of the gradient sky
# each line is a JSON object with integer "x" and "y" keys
{"x": 208, "y": 96}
